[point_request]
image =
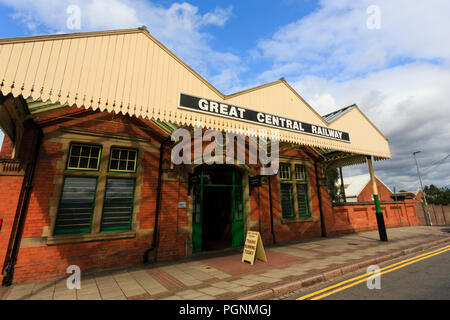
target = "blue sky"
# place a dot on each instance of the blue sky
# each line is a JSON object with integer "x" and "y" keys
{"x": 398, "y": 73}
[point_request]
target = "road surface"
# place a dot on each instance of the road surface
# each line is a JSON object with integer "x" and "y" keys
{"x": 425, "y": 275}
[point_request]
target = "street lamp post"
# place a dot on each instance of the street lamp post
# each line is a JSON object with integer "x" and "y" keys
{"x": 421, "y": 186}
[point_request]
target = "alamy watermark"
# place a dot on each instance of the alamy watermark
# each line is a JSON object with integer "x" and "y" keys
{"x": 229, "y": 148}
{"x": 374, "y": 20}
{"x": 374, "y": 281}
{"x": 74, "y": 280}
{"x": 73, "y": 21}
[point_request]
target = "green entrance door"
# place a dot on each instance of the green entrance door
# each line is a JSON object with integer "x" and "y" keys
{"x": 237, "y": 207}
{"x": 220, "y": 189}
{"x": 197, "y": 219}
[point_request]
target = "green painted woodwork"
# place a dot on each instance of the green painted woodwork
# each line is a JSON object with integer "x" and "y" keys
{"x": 237, "y": 210}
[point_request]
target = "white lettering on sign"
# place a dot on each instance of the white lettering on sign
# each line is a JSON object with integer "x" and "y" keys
{"x": 222, "y": 108}
{"x": 204, "y": 105}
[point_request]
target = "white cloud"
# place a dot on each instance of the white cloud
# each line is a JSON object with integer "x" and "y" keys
{"x": 398, "y": 75}
{"x": 219, "y": 17}
{"x": 409, "y": 104}
{"x": 334, "y": 41}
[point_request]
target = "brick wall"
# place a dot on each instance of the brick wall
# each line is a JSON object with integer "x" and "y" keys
{"x": 357, "y": 217}
{"x": 36, "y": 259}
{"x": 289, "y": 229}
{"x": 11, "y": 184}
{"x": 383, "y": 192}
{"x": 10, "y": 187}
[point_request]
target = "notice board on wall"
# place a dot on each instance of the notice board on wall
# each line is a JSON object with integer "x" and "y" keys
{"x": 253, "y": 248}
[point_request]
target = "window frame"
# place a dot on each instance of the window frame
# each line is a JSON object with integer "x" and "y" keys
{"x": 132, "y": 206}
{"x": 305, "y": 179}
{"x": 308, "y": 211}
{"x": 287, "y": 181}
{"x": 81, "y": 145}
{"x": 136, "y": 160}
{"x": 101, "y": 174}
{"x": 294, "y": 182}
{"x": 290, "y": 171}
{"x": 75, "y": 231}
{"x": 293, "y": 213}
{"x": 304, "y": 182}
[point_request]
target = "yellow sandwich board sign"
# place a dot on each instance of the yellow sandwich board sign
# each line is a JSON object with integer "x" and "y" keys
{"x": 253, "y": 248}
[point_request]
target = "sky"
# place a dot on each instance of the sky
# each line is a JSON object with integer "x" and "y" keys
{"x": 390, "y": 57}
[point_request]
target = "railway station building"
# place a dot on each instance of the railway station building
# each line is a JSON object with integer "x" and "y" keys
{"x": 87, "y": 172}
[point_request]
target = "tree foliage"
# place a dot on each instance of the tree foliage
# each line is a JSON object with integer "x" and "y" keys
{"x": 333, "y": 186}
{"x": 437, "y": 195}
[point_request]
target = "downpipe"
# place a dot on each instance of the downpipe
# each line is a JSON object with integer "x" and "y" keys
{"x": 22, "y": 206}
{"x": 154, "y": 245}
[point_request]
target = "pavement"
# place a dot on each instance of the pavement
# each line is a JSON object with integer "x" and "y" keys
{"x": 290, "y": 267}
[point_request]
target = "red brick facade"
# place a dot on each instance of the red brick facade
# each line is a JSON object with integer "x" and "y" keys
{"x": 357, "y": 217}
{"x": 42, "y": 256}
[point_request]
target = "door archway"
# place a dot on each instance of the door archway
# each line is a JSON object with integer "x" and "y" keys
{"x": 218, "y": 208}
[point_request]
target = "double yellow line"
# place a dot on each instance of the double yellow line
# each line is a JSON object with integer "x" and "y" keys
{"x": 364, "y": 277}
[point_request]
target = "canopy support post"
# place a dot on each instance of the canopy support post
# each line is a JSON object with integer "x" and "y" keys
{"x": 379, "y": 213}
{"x": 342, "y": 185}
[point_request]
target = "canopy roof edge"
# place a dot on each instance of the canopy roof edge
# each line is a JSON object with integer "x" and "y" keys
{"x": 121, "y": 71}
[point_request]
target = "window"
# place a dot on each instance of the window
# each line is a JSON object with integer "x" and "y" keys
{"x": 294, "y": 191}
{"x": 118, "y": 204}
{"x": 84, "y": 157}
{"x": 79, "y": 212}
{"x": 287, "y": 208}
{"x": 300, "y": 173}
{"x": 76, "y": 205}
{"x": 302, "y": 190}
{"x": 123, "y": 160}
{"x": 285, "y": 171}
{"x": 302, "y": 200}
{"x": 287, "y": 204}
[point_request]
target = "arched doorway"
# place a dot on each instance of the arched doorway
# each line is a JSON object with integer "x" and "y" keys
{"x": 218, "y": 208}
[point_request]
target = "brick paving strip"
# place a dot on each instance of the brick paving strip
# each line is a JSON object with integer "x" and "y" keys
{"x": 290, "y": 268}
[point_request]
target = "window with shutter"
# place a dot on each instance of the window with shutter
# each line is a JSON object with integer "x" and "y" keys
{"x": 287, "y": 208}
{"x": 294, "y": 191}
{"x": 118, "y": 204}
{"x": 76, "y": 205}
{"x": 302, "y": 200}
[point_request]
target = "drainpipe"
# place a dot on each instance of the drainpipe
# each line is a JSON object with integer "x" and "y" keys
{"x": 154, "y": 246}
{"x": 21, "y": 210}
{"x": 322, "y": 221}
{"x": 271, "y": 212}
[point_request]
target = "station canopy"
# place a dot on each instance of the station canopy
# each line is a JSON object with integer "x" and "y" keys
{"x": 129, "y": 72}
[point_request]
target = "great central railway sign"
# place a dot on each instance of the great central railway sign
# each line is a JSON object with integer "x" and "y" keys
{"x": 203, "y": 105}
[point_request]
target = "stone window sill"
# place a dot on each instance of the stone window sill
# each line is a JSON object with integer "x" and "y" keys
{"x": 89, "y": 237}
{"x": 299, "y": 220}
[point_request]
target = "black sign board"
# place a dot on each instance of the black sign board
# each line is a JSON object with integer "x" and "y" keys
{"x": 220, "y": 109}
{"x": 254, "y": 182}
{"x": 192, "y": 181}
